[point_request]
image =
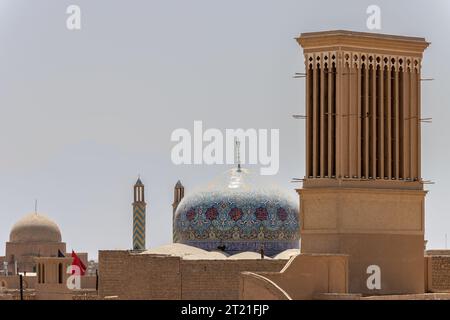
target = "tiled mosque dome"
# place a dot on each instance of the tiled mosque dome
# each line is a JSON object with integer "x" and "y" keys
{"x": 236, "y": 214}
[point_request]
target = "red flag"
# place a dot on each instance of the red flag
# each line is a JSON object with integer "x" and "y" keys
{"x": 77, "y": 262}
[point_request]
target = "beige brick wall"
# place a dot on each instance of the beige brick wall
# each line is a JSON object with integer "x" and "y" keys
{"x": 438, "y": 252}
{"x": 304, "y": 277}
{"x": 153, "y": 277}
{"x": 12, "y": 282}
{"x": 219, "y": 279}
{"x": 25, "y": 253}
{"x": 135, "y": 276}
{"x": 438, "y": 269}
{"x": 112, "y": 268}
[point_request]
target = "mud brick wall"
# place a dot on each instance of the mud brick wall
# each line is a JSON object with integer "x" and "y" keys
{"x": 438, "y": 273}
{"x": 143, "y": 276}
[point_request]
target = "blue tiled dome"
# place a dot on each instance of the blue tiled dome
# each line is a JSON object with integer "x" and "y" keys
{"x": 237, "y": 215}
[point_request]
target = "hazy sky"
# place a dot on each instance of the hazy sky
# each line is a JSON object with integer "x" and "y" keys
{"x": 84, "y": 112}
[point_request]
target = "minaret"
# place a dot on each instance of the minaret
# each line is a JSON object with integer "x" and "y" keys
{"x": 139, "y": 216}
{"x": 178, "y": 195}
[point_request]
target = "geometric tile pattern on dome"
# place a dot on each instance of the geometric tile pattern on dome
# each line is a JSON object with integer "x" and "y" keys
{"x": 238, "y": 220}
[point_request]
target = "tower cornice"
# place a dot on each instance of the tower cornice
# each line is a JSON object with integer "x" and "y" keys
{"x": 335, "y": 39}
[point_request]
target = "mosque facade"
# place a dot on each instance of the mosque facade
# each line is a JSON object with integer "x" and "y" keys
{"x": 36, "y": 260}
{"x": 32, "y": 236}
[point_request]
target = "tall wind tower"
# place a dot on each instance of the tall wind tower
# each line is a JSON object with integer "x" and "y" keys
{"x": 139, "y": 216}
{"x": 363, "y": 192}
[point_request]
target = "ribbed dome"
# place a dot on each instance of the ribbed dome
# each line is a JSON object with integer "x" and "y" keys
{"x": 237, "y": 214}
{"x": 35, "y": 227}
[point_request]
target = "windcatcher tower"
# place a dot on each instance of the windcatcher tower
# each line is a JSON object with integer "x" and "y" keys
{"x": 363, "y": 192}
{"x": 139, "y": 216}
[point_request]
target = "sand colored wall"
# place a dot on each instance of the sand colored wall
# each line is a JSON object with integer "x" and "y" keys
{"x": 137, "y": 276}
{"x": 303, "y": 277}
{"x": 12, "y": 282}
{"x": 112, "y": 267}
{"x": 53, "y": 292}
{"x": 134, "y": 276}
{"x": 15, "y": 295}
{"x": 88, "y": 282}
{"x": 354, "y": 210}
{"x": 25, "y": 253}
{"x": 374, "y": 227}
{"x": 437, "y": 252}
{"x": 2, "y": 259}
{"x": 437, "y": 266}
{"x": 52, "y": 278}
{"x": 254, "y": 286}
{"x": 150, "y": 277}
{"x": 219, "y": 279}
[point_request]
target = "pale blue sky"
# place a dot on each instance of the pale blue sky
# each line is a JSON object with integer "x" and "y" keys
{"x": 82, "y": 113}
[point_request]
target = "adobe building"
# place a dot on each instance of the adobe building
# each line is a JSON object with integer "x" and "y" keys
{"x": 52, "y": 277}
{"x": 32, "y": 253}
{"x": 363, "y": 192}
{"x": 178, "y": 271}
{"x": 34, "y": 235}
